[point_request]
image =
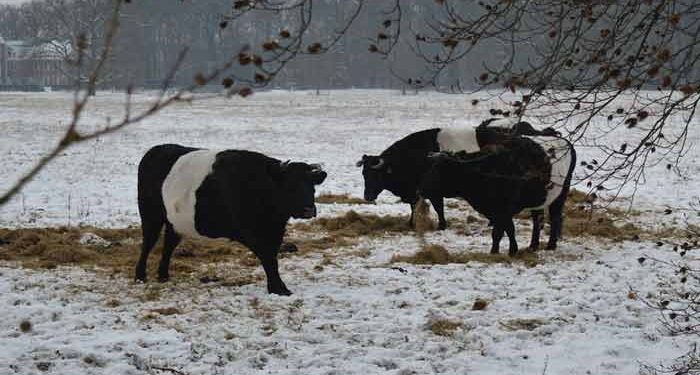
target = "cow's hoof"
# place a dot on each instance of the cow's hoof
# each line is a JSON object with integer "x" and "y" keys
{"x": 442, "y": 226}
{"x": 283, "y": 291}
{"x": 288, "y": 247}
{"x": 533, "y": 248}
{"x": 551, "y": 247}
{"x": 494, "y": 251}
{"x": 162, "y": 279}
{"x": 140, "y": 280}
{"x": 512, "y": 253}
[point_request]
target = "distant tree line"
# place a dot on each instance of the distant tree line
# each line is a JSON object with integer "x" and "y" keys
{"x": 153, "y": 33}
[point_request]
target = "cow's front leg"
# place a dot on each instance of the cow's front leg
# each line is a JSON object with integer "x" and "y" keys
{"x": 410, "y": 219}
{"x": 275, "y": 285}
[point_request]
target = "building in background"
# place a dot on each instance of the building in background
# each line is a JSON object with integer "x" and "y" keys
{"x": 25, "y": 63}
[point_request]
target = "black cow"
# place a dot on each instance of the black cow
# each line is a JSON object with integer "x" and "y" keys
{"x": 240, "y": 195}
{"x": 400, "y": 167}
{"x": 514, "y": 127}
{"x": 498, "y": 182}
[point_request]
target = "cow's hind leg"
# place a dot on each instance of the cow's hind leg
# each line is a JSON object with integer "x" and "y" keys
{"x": 410, "y": 219}
{"x": 151, "y": 229}
{"x": 555, "y": 220}
{"x": 510, "y": 231}
{"x": 171, "y": 240}
{"x": 496, "y": 236}
{"x": 439, "y": 206}
{"x": 536, "y": 228}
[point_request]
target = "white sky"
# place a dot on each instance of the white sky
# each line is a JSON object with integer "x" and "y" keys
{"x": 12, "y": 2}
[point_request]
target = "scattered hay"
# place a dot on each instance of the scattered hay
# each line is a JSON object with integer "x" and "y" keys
{"x": 600, "y": 225}
{"x": 52, "y": 247}
{"x": 328, "y": 198}
{"x": 353, "y": 224}
{"x": 436, "y": 254}
{"x": 582, "y": 218}
{"x": 430, "y": 254}
{"x": 444, "y": 327}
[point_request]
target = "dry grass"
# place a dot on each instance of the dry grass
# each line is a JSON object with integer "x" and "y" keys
{"x": 52, "y": 247}
{"x": 582, "y": 218}
{"x": 444, "y": 327}
{"x": 199, "y": 259}
{"x": 436, "y": 254}
{"x": 328, "y": 198}
{"x": 430, "y": 254}
{"x": 353, "y": 224}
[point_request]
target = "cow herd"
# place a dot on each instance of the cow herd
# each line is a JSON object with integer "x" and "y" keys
{"x": 501, "y": 167}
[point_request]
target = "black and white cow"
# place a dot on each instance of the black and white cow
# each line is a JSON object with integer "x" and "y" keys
{"x": 509, "y": 174}
{"x": 240, "y": 195}
{"x": 400, "y": 167}
{"x": 499, "y": 181}
{"x": 562, "y": 156}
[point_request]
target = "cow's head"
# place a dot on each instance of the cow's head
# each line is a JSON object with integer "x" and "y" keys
{"x": 299, "y": 181}
{"x": 376, "y": 171}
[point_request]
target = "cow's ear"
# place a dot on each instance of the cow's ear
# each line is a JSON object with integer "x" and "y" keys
{"x": 284, "y": 165}
{"x": 317, "y": 177}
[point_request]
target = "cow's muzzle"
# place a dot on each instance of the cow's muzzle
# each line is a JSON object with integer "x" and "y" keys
{"x": 309, "y": 212}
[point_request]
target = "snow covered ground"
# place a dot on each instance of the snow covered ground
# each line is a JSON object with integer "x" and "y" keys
{"x": 572, "y": 314}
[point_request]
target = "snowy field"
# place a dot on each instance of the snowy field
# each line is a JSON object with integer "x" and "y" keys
{"x": 571, "y": 314}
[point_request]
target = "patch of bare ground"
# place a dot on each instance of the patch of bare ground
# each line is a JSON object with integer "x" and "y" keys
{"x": 329, "y": 198}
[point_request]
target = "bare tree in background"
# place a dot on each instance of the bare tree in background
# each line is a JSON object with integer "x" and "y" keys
{"x": 562, "y": 63}
{"x": 566, "y": 62}
{"x": 257, "y": 66}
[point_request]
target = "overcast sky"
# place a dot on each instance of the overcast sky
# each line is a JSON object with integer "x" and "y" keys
{"x": 12, "y": 2}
